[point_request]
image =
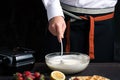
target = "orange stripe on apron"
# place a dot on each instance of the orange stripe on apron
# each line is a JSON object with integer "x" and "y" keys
{"x": 68, "y": 37}
{"x": 91, "y": 32}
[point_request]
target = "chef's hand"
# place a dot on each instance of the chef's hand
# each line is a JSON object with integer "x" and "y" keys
{"x": 57, "y": 27}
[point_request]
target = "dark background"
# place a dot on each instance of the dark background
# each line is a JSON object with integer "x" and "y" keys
{"x": 24, "y": 22}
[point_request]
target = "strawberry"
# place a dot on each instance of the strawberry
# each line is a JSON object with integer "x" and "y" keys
{"x": 27, "y": 73}
{"x": 17, "y": 74}
{"x": 37, "y": 74}
{"x": 19, "y": 78}
{"x": 31, "y": 76}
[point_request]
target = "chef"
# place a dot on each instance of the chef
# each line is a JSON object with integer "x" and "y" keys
{"x": 84, "y": 26}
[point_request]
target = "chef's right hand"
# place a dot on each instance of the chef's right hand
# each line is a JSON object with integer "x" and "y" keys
{"x": 57, "y": 27}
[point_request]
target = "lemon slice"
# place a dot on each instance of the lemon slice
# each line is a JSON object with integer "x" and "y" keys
{"x": 57, "y": 75}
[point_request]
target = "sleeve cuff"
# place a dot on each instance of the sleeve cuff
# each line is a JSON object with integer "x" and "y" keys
{"x": 54, "y": 10}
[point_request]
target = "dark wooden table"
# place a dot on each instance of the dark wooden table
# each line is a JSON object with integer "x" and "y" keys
{"x": 110, "y": 70}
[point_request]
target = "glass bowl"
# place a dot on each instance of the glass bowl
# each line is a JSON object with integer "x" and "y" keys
{"x": 68, "y": 63}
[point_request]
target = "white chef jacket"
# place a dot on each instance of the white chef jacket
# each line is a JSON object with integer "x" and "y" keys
{"x": 54, "y": 8}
